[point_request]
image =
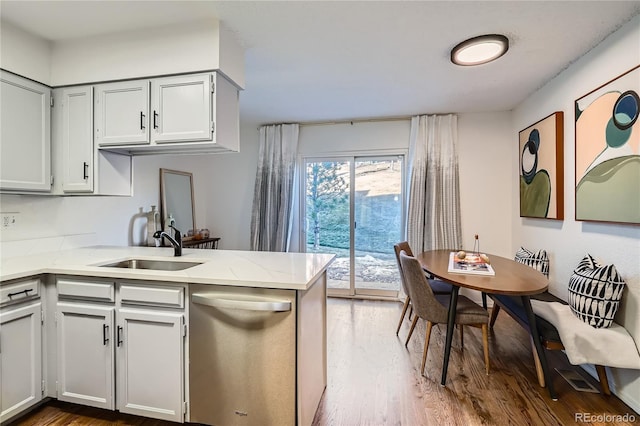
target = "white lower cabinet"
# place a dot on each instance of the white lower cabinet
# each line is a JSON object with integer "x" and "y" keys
{"x": 150, "y": 360}
{"x": 85, "y": 354}
{"x": 117, "y": 351}
{"x": 20, "y": 358}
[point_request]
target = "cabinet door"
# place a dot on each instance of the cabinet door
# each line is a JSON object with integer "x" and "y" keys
{"x": 20, "y": 359}
{"x": 85, "y": 354}
{"x": 150, "y": 379}
{"x": 181, "y": 108}
{"x": 122, "y": 113}
{"x": 25, "y": 139}
{"x": 77, "y": 139}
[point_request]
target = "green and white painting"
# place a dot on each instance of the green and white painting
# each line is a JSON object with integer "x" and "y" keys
{"x": 608, "y": 151}
{"x": 541, "y": 168}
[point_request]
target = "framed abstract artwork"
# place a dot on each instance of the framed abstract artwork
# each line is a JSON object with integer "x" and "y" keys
{"x": 608, "y": 151}
{"x": 542, "y": 168}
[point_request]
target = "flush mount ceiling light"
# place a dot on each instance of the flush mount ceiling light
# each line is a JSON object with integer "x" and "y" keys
{"x": 480, "y": 50}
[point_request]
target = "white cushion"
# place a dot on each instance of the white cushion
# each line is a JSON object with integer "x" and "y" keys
{"x": 613, "y": 346}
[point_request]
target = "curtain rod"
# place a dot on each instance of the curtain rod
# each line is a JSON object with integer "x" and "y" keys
{"x": 359, "y": 120}
{"x": 328, "y": 123}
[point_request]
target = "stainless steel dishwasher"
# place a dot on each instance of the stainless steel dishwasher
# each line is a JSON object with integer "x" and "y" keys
{"x": 242, "y": 348}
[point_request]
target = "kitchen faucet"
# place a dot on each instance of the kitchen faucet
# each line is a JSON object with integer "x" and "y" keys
{"x": 176, "y": 243}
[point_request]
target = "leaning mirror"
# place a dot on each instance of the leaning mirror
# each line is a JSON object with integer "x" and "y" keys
{"x": 176, "y": 196}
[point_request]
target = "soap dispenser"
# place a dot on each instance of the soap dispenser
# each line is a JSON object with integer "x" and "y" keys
{"x": 153, "y": 225}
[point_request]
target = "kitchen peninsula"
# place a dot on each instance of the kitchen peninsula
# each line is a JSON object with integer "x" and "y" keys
{"x": 213, "y": 336}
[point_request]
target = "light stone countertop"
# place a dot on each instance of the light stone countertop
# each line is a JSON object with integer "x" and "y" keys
{"x": 294, "y": 271}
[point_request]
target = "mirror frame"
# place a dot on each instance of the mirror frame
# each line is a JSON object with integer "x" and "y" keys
{"x": 163, "y": 198}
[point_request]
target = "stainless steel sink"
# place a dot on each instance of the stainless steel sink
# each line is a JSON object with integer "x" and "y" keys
{"x": 161, "y": 265}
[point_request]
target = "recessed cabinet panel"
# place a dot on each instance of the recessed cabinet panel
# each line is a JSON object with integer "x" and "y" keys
{"x": 19, "y": 291}
{"x": 20, "y": 359}
{"x": 181, "y": 108}
{"x": 150, "y": 364}
{"x": 25, "y": 139}
{"x": 77, "y": 135}
{"x": 122, "y": 113}
{"x": 85, "y": 354}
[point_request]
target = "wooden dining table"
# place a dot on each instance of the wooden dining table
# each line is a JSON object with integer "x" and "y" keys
{"x": 511, "y": 278}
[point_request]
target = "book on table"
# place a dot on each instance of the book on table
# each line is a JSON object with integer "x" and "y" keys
{"x": 471, "y": 264}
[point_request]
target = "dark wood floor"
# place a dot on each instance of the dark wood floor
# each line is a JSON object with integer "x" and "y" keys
{"x": 374, "y": 380}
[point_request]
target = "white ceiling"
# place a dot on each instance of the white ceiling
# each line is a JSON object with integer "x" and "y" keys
{"x": 335, "y": 60}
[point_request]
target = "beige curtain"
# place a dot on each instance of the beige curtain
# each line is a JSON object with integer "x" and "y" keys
{"x": 274, "y": 191}
{"x": 433, "y": 220}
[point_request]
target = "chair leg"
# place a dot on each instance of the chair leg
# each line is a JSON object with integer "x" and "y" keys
{"x": 484, "y": 300}
{"x": 404, "y": 311}
{"x": 413, "y": 325}
{"x": 410, "y": 311}
{"x": 494, "y": 314}
{"x": 461, "y": 337}
{"x": 604, "y": 382}
{"x": 536, "y": 360}
{"x": 485, "y": 343}
{"x": 426, "y": 346}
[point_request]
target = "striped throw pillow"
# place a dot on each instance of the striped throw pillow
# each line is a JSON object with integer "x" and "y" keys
{"x": 594, "y": 292}
{"x": 538, "y": 260}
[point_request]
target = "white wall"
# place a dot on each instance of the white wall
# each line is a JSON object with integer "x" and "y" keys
{"x": 24, "y": 53}
{"x": 47, "y": 223}
{"x": 568, "y": 241}
{"x": 484, "y": 146}
{"x": 231, "y": 180}
{"x": 148, "y": 52}
{"x": 198, "y": 46}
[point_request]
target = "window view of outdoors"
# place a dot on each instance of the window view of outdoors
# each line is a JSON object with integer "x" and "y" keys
{"x": 378, "y": 219}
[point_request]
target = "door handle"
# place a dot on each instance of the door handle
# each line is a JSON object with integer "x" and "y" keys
{"x": 240, "y": 301}
{"x": 142, "y": 117}
{"x": 85, "y": 170}
{"x": 155, "y": 119}
{"x": 105, "y": 334}
{"x": 118, "y": 337}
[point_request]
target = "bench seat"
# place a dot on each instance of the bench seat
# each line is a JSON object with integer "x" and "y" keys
{"x": 549, "y": 335}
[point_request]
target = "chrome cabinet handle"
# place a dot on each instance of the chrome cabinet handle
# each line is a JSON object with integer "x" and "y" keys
{"x": 238, "y": 301}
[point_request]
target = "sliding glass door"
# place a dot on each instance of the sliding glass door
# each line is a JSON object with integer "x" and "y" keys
{"x": 353, "y": 209}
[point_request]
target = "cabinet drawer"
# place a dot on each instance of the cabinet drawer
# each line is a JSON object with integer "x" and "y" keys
{"x": 152, "y": 295}
{"x": 14, "y": 293}
{"x": 94, "y": 290}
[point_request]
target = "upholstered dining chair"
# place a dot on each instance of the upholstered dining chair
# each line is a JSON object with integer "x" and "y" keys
{"x": 438, "y": 286}
{"x": 433, "y": 308}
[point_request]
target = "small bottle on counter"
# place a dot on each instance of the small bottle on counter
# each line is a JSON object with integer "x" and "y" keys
{"x": 153, "y": 225}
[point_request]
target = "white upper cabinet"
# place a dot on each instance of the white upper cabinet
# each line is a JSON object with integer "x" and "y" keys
{"x": 25, "y": 138}
{"x": 181, "y": 114}
{"x": 77, "y": 137}
{"x": 122, "y": 113}
{"x": 78, "y": 166}
{"x": 181, "y": 108}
